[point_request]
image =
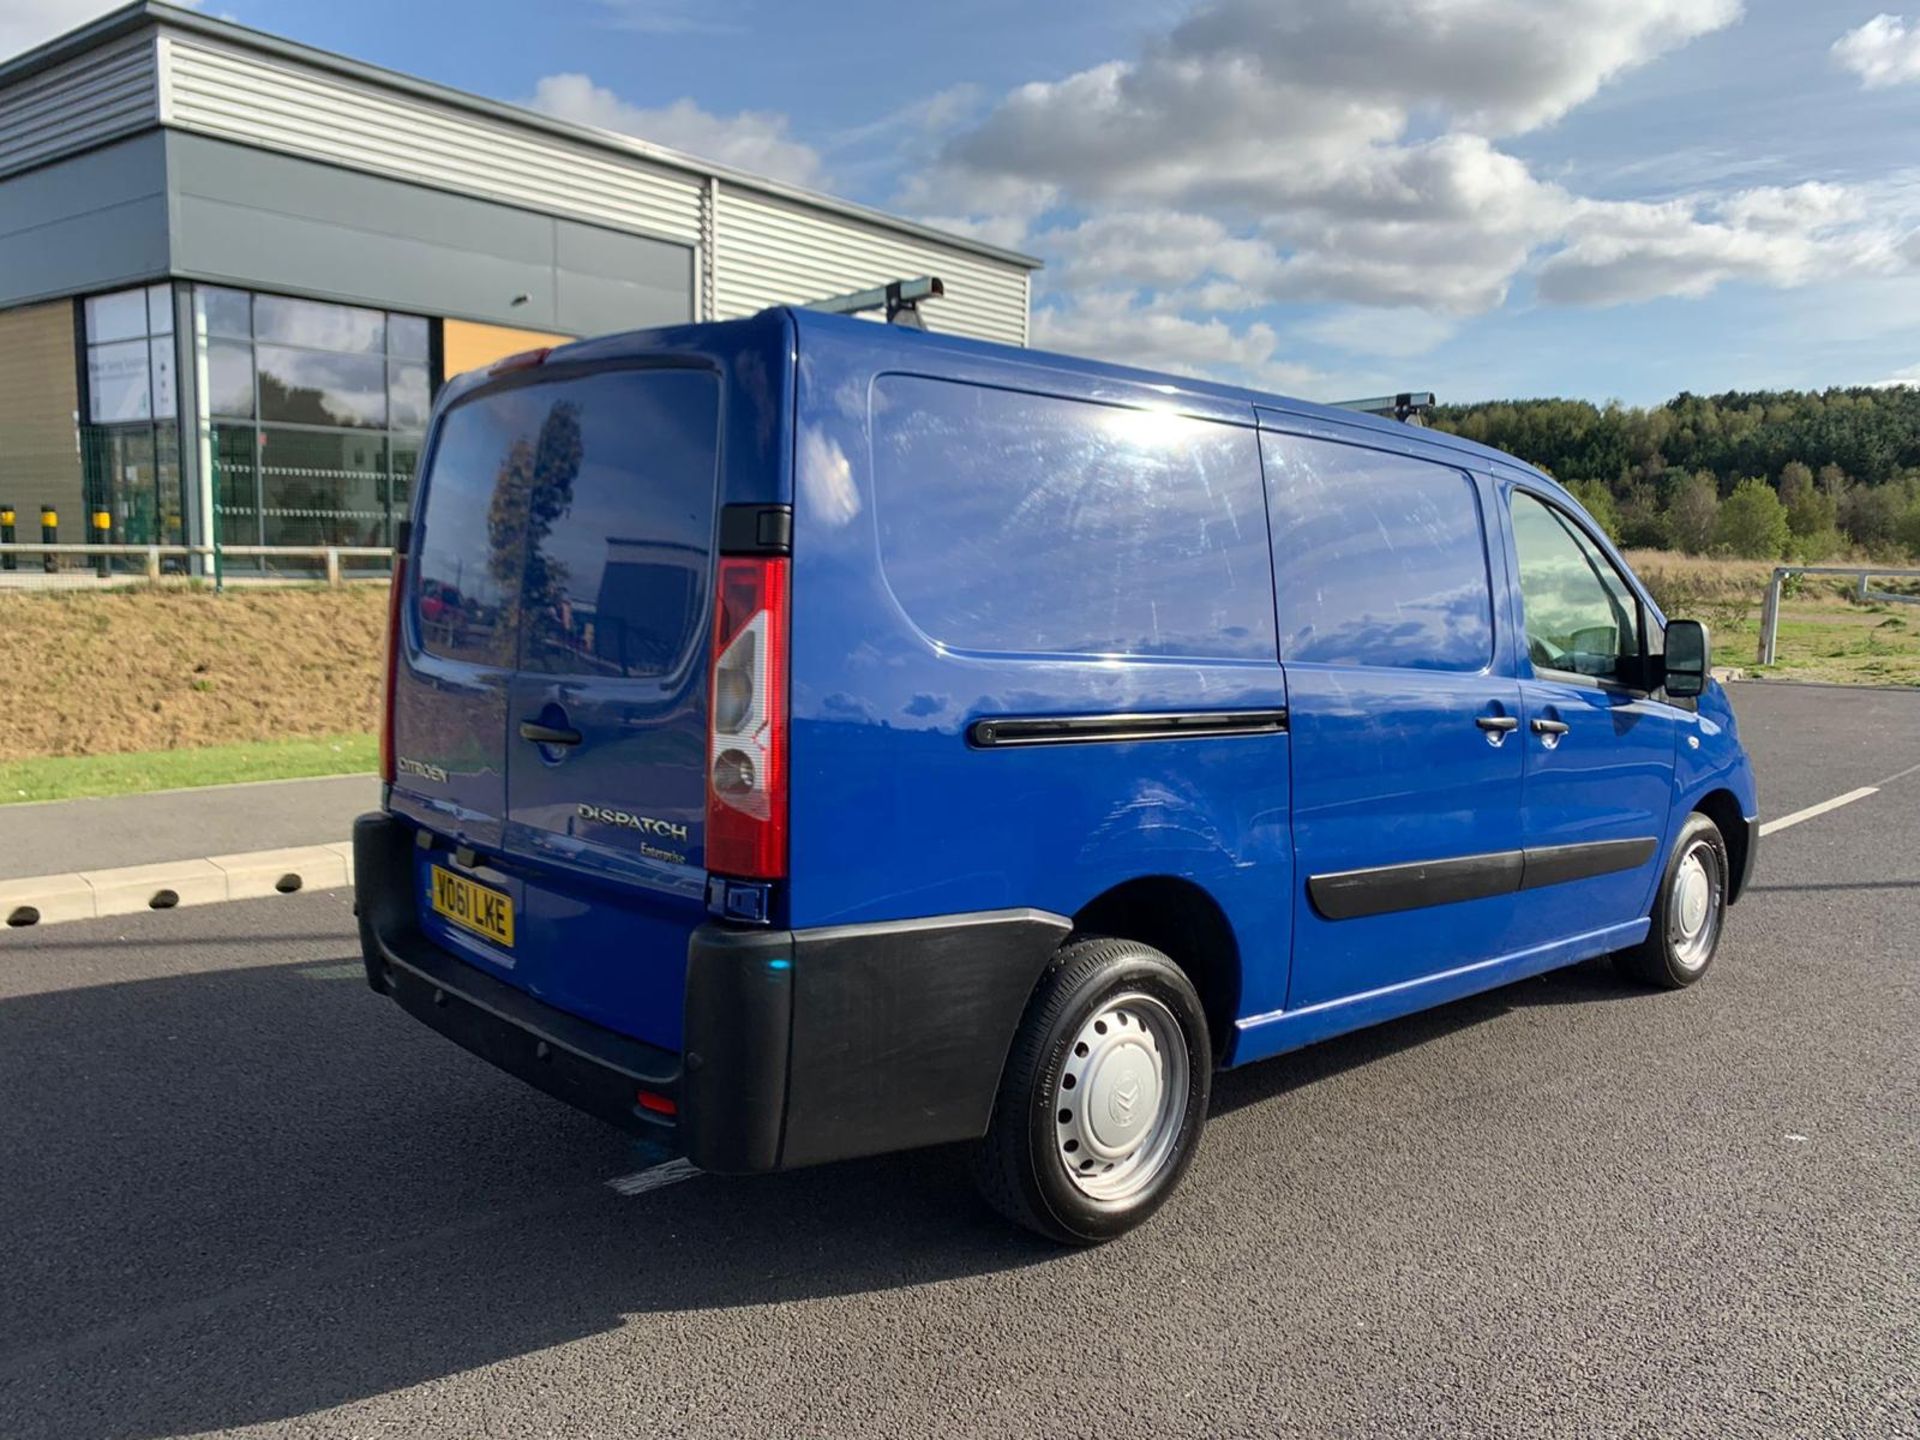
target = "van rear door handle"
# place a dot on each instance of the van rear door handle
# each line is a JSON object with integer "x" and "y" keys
{"x": 547, "y": 734}
{"x": 1550, "y": 727}
{"x": 1498, "y": 723}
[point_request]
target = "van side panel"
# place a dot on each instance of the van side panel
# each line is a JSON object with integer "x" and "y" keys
{"x": 964, "y": 552}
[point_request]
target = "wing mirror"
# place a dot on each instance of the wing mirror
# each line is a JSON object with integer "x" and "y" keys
{"x": 1689, "y": 659}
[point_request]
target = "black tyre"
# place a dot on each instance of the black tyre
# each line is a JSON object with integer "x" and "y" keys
{"x": 1104, "y": 1095}
{"x": 1689, "y": 911}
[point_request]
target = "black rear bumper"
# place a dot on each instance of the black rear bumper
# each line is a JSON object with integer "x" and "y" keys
{"x": 802, "y": 1046}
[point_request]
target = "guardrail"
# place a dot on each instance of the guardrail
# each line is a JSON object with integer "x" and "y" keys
{"x": 1770, "y": 611}
{"x": 49, "y": 556}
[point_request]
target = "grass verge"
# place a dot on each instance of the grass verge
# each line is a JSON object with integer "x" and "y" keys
{"x": 68, "y": 777}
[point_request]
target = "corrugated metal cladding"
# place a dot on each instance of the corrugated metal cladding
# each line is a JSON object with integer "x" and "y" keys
{"x": 236, "y": 95}
{"x": 111, "y": 92}
{"x": 771, "y": 251}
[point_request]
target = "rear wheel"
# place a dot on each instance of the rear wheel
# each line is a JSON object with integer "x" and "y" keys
{"x": 1689, "y": 912}
{"x": 1104, "y": 1096}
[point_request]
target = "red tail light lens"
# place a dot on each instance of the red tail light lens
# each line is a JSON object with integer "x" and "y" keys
{"x": 747, "y": 721}
{"x": 396, "y": 602}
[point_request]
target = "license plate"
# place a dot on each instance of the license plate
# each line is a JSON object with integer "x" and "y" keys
{"x": 473, "y": 907}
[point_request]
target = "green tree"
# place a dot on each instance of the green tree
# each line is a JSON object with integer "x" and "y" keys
{"x": 1597, "y": 497}
{"x": 1753, "y": 522}
{"x": 1693, "y": 513}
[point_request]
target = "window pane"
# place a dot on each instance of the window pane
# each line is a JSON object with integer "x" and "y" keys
{"x": 1025, "y": 523}
{"x": 410, "y": 395}
{"x": 403, "y": 464}
{"x": 593, "y": 498}
{"x": 407, "y": 337}
{"x": 160, "y": 309}
{"x": 169, "y": 519}
{"x": 322, "y": 489}
{"x": 1378, "y": 559}
{"x": 117, "y": 317}
{"x": 160, "y": 358}
{"x": 224, "y": 312}
{"x": 237, "y": 489}
{"x": 118, "y": 383}
{"x": 310, "y": 387}
{"x": 318, "y": 326}
{"x": 1581, "y": 617}
{"x": 229, "y": 378}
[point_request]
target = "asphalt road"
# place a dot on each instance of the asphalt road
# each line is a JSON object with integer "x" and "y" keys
{"x": 240, "y": 1192}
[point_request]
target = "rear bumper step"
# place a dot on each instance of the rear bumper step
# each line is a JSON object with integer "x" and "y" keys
{"x": 802, "y": 1046}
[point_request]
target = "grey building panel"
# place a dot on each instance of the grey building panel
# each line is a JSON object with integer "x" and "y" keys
{"x": 88, "y": 222}
{"x": 276, "y": 222}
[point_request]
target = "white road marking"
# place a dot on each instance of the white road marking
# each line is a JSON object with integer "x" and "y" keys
{"x": 1821, "y": 809}
{"x": 658, "y": 1177}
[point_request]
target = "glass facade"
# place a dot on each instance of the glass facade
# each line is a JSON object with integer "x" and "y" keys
{"x": 316, "y": 413}
{"x": 130, "y": 446}
{"x": 313, "y": 414}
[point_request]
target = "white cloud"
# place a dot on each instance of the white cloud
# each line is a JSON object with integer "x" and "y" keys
{"x": 1909, "y": 376}
{"x": 27, "y": 23}
{"x": 1113, "y": 325}
{"x": 1884, "y": 51}
{"x": 1621, "y": 252}
{"x": 751, "y": 140}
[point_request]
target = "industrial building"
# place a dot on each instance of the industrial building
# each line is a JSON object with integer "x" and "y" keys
{"x": 234, "y": 270}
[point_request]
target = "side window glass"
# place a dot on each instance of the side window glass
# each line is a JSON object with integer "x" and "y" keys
{"x": 1379, "y": 559}
{"x": 1581, "y": 617}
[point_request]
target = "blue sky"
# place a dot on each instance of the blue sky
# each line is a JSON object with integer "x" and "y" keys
{"x": 1488, "y": 198}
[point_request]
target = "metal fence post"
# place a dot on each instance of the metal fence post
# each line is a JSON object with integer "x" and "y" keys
{"x": 1770, "y": 617}
{"x": 153, "y": 562}
{"x": 333, "y": 568}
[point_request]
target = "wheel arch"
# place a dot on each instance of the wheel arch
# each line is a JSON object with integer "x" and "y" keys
{"x": 1181, "y": 920}
{"x": 1723, "y": 808}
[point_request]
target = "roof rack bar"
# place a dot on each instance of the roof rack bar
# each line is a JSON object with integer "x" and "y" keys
{"x": 899, "y": 298}
{"x": 1409, "y": 406}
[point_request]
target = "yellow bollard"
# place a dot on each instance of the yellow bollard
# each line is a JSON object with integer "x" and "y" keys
{"x": 102, "y": 523}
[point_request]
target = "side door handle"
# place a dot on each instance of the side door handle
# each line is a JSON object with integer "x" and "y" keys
{"x": 547, "y": 734}
{"x": 1550, "y": 727}
{"x": 1499, "y": 724}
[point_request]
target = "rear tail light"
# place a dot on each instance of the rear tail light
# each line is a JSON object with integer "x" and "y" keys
{"x": 396, "y": 601}
{"x": 747, "y": 726}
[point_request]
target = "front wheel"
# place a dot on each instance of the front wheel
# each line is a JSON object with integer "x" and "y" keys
{"x": 1689, "y": 912}
{"x": 1104, "y": 1096}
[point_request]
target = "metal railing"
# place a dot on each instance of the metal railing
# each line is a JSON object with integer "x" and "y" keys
{"x": 1770, "y": 611}
{"x": 46, "y": 568}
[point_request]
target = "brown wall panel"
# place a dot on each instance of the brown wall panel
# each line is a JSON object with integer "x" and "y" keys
{"x": 39, "y": 458}
{"x": 468, "y": 346}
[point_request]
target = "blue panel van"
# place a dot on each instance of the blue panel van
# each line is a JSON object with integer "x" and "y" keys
{"x": 808, "y": 738}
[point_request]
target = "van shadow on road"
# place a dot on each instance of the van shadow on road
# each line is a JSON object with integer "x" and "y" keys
{"x": 252, "y": 1194}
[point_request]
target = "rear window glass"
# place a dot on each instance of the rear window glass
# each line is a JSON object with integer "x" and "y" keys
{"x": 1378, "y": 559}
{"x": 1024, "y": 523}
{"x": 569, "y": 522}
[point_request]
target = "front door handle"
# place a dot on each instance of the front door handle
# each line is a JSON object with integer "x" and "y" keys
{"x": 1499, "y": 724}
{"x": 1550, "y": 727}
{"x": 547, "y": 734}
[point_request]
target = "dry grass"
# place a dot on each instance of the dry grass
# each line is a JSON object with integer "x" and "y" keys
{"x": 116, "y": 672}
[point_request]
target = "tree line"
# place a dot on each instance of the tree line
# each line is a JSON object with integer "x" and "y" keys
{"x": 1766, "y": 475}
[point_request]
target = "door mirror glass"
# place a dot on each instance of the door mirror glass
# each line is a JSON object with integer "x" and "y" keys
{"x": 1688, "y": 660}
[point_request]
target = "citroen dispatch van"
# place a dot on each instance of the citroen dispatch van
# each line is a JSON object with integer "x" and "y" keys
{"x": 807, "y": 738}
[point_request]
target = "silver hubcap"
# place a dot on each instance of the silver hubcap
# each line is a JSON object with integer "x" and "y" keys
{"x": 1120, "y": 1098}
{"x": 1693, "y": 910}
